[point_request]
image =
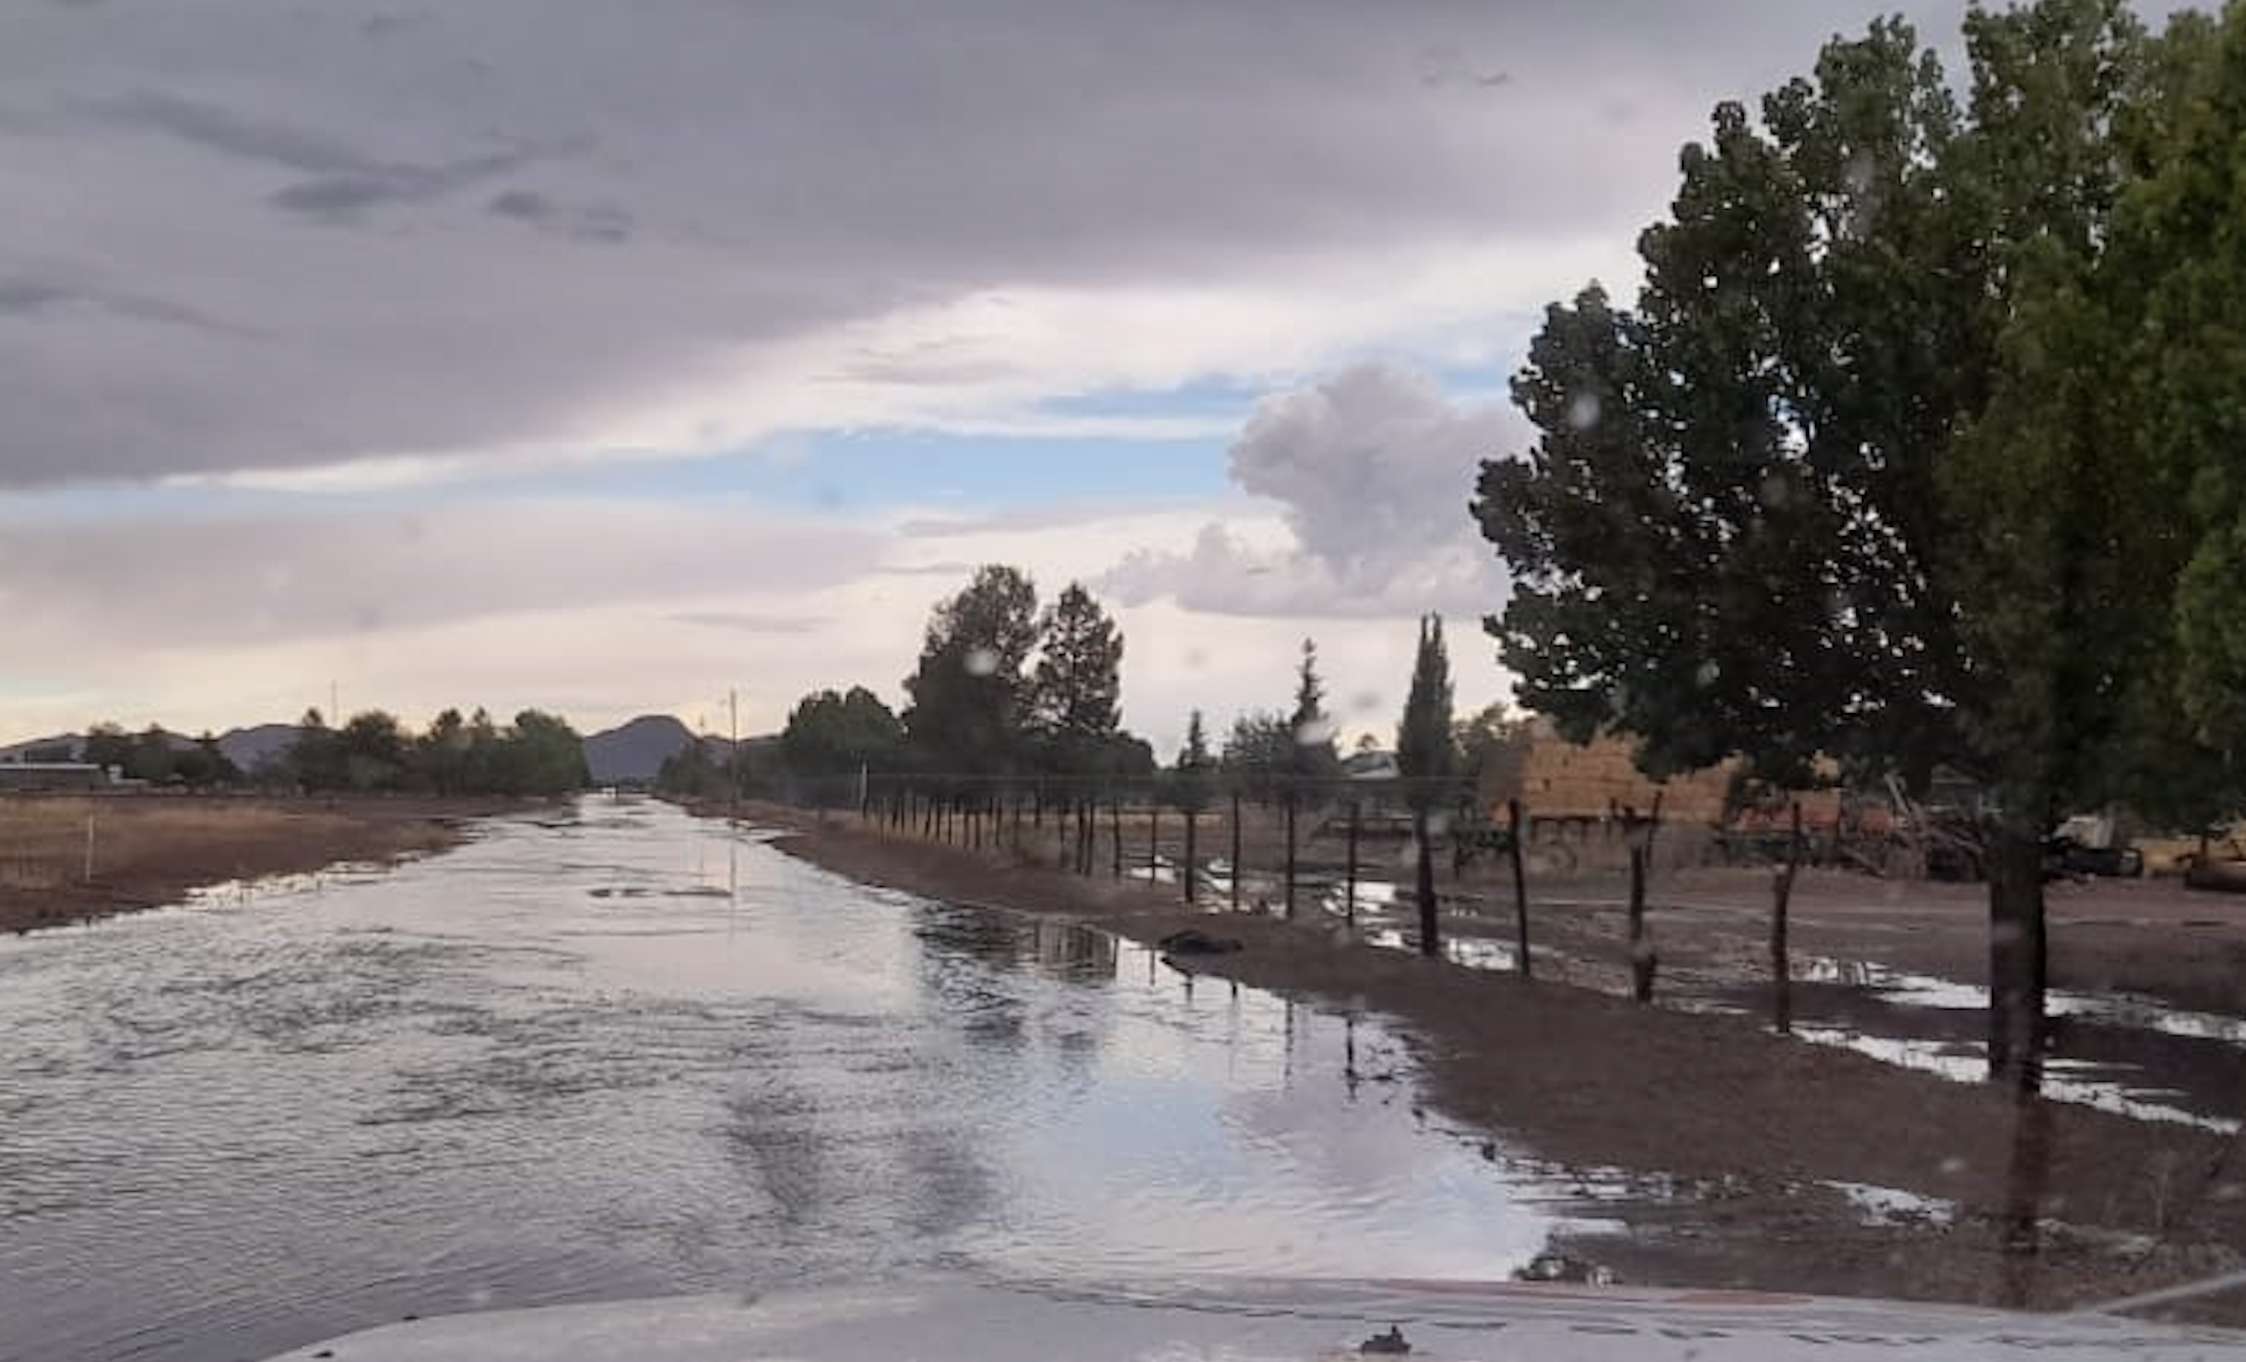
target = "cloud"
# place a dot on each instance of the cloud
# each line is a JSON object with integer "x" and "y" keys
{"x": 1372, "y": 469}
{"x": 750, "y": 622}
{"x": 124, "y": 586}
{"x": 936, "y": 220}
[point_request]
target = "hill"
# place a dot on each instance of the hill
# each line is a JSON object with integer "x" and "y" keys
{"x": 634, "y": 750}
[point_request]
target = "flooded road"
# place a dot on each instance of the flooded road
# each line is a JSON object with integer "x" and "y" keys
{"x": 622, "y": 1052}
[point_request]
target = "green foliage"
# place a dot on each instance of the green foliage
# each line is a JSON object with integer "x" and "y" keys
{"x": 968, "y": 694}
{"x": 108, "y": 745}
{"x": 1312, "y": 755}
{"x": 1860, "y": 476}
{"x": 1195, "y": 766}
{"x": 1076, "y": 689}
{"x": 1426, "y": 751}
{"x": 1257, "y": 753}
{"x": 204, "y": 765}
{"x": 540, "y": 754}
{"x": 834, "y": 735}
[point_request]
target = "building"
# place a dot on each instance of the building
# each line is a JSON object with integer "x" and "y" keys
{"x": 41, "y": 777}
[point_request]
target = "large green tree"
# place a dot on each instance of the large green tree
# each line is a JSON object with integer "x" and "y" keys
{"x": 1841, "y": 484}
{"x": 832, "y": 735}
{"x": 969, "y": 697}
{"x": 1075, "y": 693}
{"x": 1427, "y": 756}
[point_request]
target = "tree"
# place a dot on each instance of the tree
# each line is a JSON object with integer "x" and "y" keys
{"x": 830, "y": 736}
{"x": 1075, "y": 691}
{"x": 1194, "y": 766}
{"x": 543, "y": 755}
{"x": 1257, "y": 752}
{"x": 1491, "y": 745}
{"x": 107, "y": 744}
{"x": 374, "y": 751}
{"x": 316, "y": 759}
{"x": 442, "y": 753}
{"x": 1313, "y": 756}
{"x": 1843, "y": 483}
{"x": 2178, "y": 243}
{"x": 1428, "y": 759}
{"x": 204, "y": 765}
{"x": 968, "y": 695}
{"x": 151, "y": 757}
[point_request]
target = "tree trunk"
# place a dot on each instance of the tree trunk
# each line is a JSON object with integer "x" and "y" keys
{"x": 2017, "y": 967}
{"x": 1115, "y": 833}
{"x": 1781, "y": 966}
{"x": 1430, "y": 929}
{"x": 1642, "y": 962}
{"x": 1153, "y": 840}
{"x": 1520, "y": 890}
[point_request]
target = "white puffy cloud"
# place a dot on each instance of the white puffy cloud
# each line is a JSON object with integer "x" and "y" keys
{"x": 1371, "y": 470}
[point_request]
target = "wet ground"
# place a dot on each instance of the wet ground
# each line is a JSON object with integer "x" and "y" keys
{"x": 2136, "y": 1055}
{"x": 623, "y": 1052}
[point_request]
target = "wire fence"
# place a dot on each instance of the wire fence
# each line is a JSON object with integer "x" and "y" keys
{"x": 1346, "y": 850}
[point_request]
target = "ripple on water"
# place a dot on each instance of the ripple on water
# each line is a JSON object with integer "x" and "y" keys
{"x": 473, "y": 1081}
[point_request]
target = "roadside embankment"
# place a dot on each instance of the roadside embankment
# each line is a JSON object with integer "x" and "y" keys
{"x": 67, "y": 859}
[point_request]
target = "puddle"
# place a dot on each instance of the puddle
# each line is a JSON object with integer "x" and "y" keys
{"x": 2128, "y": 1055}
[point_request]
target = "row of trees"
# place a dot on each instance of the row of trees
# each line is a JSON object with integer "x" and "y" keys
{"x": 538, "y": 754}
{"x": 152, "y": 755}
{"x": 1921, "y": 447}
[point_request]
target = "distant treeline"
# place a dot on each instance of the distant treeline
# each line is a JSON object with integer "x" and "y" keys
{"x": 537, "y": 754}
{"x": 1007, "y": 690}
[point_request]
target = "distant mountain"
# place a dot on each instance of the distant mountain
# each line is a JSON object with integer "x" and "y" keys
{"x": 250, "y": 748}
{"x": 635, "y": 750}
{"x": 17, "y": 751}
{"x": 247, "y": 748}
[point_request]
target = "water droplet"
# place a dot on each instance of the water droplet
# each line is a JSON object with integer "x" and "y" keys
{"x": 981, "y": 662}
{"x": 1583, "y": 410}
{"x": 1774, "y": 492}
{"x": 1953, "y": 1165}
{"x": 1707, "y": 674}
{"x": 1314, "y": 731}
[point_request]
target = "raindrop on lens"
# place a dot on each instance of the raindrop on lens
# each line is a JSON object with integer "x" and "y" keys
{"x": 981, "y": 662}
{"x": 1583, "y": 411}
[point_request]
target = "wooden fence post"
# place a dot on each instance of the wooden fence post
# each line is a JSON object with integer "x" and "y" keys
{"x": 1781, "y": 968}
{"x": 1235, "y": 851}
{"x": 1153, "y": 838}
{"x": 1520, "y": 891}
{"x": 1192, "y": 820}
{"x": 1349, "y": 894}
{"x": 1290, "y": 855}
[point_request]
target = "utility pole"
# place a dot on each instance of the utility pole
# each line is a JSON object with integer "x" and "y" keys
{"x": 733, "y": 712}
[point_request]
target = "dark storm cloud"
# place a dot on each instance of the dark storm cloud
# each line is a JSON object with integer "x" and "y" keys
{"x": 761, "y": 174}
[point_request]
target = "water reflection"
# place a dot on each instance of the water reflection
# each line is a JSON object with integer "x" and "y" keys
{"x": 481, "y": 1081}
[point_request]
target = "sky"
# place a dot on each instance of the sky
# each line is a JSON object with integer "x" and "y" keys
{"x": 613, "y": 359}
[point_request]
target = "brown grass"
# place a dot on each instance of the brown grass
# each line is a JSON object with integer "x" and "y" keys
{"x": 150, "y": 850}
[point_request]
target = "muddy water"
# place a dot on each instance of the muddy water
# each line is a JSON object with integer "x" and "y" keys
{"x": 622, "y": 1052}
